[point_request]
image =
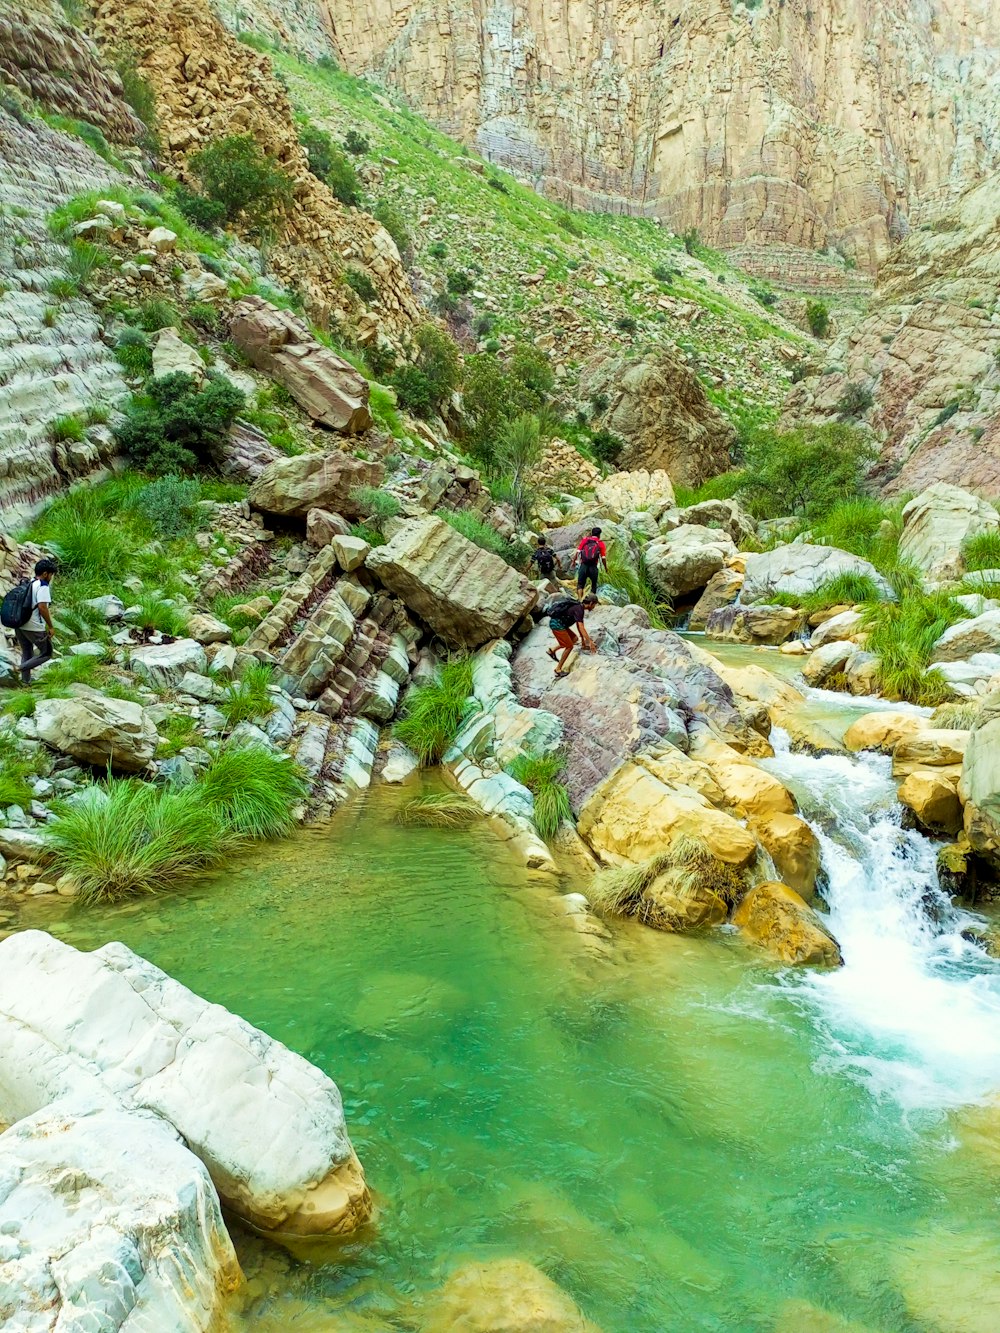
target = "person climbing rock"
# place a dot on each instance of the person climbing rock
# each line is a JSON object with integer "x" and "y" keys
{"x": 588, "y": 553}
{"x": 563, "y": 616}
{"x": 34, "y": 637}
{"x": 546, "y": 560}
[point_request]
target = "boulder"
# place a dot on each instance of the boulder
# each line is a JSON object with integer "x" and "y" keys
{"x": 800, "y": 569}
{"x": 967, "y": 677}
{"x": 209, "y": 629}
{"x": 979, "y": 789}
{"x": 466, "y": 595}
{"x": 936, "y": 525}
{"x": 109, "y": 1223}
{"x": 777, "y": 919}
{"x": 748, "y": 789}
{"x": 755, "y": 685}
{"x": 502, "y": 1296}
{"x": 625, "y": 492}
{"x": 633, "y": 815}
{"x": 109, "y": 606}
{"x": 754, "y": 624}
{"x": 685, "y": 560}
{"x": 862, "y": 672}
{"x": 725, "y": 515}
{"x": 981, "y": 634}
{"x": 827, "y": 661}
{"x": 722, "y": 589}
{"x": 931, "y": 747}
{"x": 162, "y": 665}
{"x": 98, "y": 730}
{"x": 673, "y": 904}
{"x": 844, "y": 625}
{"x": 351, "y": 552}
{"x": 292, "y": 487}
{"x": 933, "y": 800}
{"x": 173, "y": 356}
{"x": 322, "y": 527}
{"x": 324, "y": 385}
{"x": 112, "y": 1028}
{"x": 659, "y": 407}
{"x": 883, "y": 731}
{"x": 162, "y": 240}
{"x": 793, "y": 847}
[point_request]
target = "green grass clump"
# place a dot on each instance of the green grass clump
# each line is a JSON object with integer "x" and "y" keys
{"x": 15, "y": 770}
{"x": 687, "y": 866}
{"x": 540, "y": 773}
{"x": 902, "y": 635}
{"x": 253, "y": 791}
{"x": 132, "y": 837}
{"x": 67, "y": 428}
{"x": 73, "y": 669}
{"x": 439, "y": 810}
{"x": 176, "y": 733}
{"x": 630, "y": 576}
{"x": 476, "y": 530}
{"x": 249, "y": 698}
{"x": 433, "y": 712}
{"x": 983, "y": 550}
{"x": 723, "y": 487}
{"x": 160, "y": 614}
{"x": 957, "y": 715}
{"x": 375, "y": 505}
{"x": 843, "y": 589}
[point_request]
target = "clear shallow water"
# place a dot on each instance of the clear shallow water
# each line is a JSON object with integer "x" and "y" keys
{"x": 680, "y": 1138}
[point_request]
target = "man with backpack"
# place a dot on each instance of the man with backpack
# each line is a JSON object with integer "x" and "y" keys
{"x": 588, "y": 553}
{"x": 545, "y": 559}
{"x": 563, "y": 616}
{"x": 25, "y": 610}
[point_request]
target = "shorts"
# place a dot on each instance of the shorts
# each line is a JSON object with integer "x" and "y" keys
{"x": 564, "y": 636}
{"x": 587, "y": 572}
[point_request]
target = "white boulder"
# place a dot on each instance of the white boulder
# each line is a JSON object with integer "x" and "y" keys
{"x": 800, "y": 569}
{"x": 163, "y": 665}
{"x": 937, "y": 524}
{"x": 98, "y": 730}
{"x": 173, "y": 356}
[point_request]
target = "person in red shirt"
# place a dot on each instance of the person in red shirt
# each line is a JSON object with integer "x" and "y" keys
{"x": 588, "y": 553}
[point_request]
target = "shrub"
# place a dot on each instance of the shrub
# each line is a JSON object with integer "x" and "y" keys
{"x": 856, "y": 399}
{"x": 320, "y": 150}
{"x": 569, "y": 224}
{"x": 204, "y": 213}
{"x": 203, "y": 316}
{"x": 375, "y": 505}
{"x": 664, "y": 273}
{"x": 818, "y": 318}
{"x": 86, "y": 543}
{"x": 361, "y": 284}
{"x": 170, "y": 506}
{"x": 599, "y": 403}
{"x": 844, "y": 588}
{"x": 902, "y": 635}
{"x": 67, "y": 428}
{"x": 459, "y": 282}
{"x": 983, "y": 550}
{"x": 765, "y": 296}
{"x": 153, "y": 315}
{"x": 253, "y": 791}
{"x": 393, "y": 221}
{"x": 237, "y": 174}
{"x": 249, "y": 699}
{"x": 626, "y": 324}
{"x": 496, "y": 183}
{"x": 160, "y": 614}
{"x": 606, "y": 446}
{"x": 134, "y": 353}
{"x": 439, "y": 361}
{"x": 947, "y": 412}
{"x": 132, "y": 837}
{"x": 804, "y": 471}
{"x": 414, "y": 391}
{"x": 691, "y": 240}
{"x": 356, "y": 144}
{"x": 540, "y": 773}
{"x": 494, "y": 393}
{"x": 83, "y": 259}
{"x": 140, "y": 95}
{"x": 437, "y": 250}
{"x": 433, "y": 712}
{"x": 177, "y": 427}
{"x": 687, "y": 865}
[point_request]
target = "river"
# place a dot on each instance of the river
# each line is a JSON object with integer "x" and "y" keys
{"x": 681, "y": 1136}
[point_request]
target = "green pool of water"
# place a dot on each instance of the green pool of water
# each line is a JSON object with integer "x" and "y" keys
{"x": 654, "y": 1129}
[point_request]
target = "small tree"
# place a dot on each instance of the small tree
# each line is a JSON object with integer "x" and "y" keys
{"x": 235, "y": 172}
{"x": 691, "y": 240}
{"x": 804, "y": 471}
{"x": 356, "y": 143}
{"x": 518, "y": 452}
{"x": 818, "y": 318}
{"x": 176, "y": 427}
{"x": 440, "y": 361}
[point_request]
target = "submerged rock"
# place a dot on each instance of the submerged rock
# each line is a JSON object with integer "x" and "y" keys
{"x": 503, "y": 1296}
{"x": 775, "y": 917}
{"x": 111, "y": 1027}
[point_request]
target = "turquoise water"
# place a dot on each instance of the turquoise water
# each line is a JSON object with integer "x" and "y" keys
{"x": 661, "y": 1130}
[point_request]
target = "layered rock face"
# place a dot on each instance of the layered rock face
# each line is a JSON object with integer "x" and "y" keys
{"x": 928, "y": 351}
{"x": 814, "y": 125}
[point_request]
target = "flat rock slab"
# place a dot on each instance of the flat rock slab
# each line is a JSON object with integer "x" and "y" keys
{"x": 111, "y": 1027}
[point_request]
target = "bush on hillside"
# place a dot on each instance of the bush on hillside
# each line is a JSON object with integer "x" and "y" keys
{"x": 237, "y": 174}
{"x": 856, "y": 399}
{"x": 176, "y": 427}
{"x": 414, "y": 391}
{"x": 170, "y": 506}
{"x": 438, "y": 362}
{"x": 495, "y": 393}
{"x": 395, "y": 224}
{"x": 818, "y": 318}
{"x": 139, "y": 93}
{"x": 206, "y": 214}
{"x": 356, "y": 143}
{"x": 606, "y": 446}
{"x": 361, "y": 284}
{"x": 459, "y": 282}
{"x": 804, "y": 471}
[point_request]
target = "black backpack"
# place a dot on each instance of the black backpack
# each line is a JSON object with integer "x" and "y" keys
{"x": 545, "y": 559}
{"x": 558, "y": 611}
{"x": 590, "y": 551}
{"x": 17, "y": 605}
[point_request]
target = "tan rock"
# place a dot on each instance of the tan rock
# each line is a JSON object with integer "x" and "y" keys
{"x": 322, "y": 527}
{"x": 679, "y": 907}
{"x": 776, "y": 918}
{"x": 793, "y": 847}
{"x": 208, "y": 629}
{"x": 844, "y": 625}
{"x": 936, "y": 525}
{"x": 933, "y": 800}
{"x": 784, "y": 704}
{"x": 827, "y": 661}
{"x": 172, "y": 356}
{"x": 980, "y": 790}
{"x": 749, "y": 789}
{"x": 291, "y": 487}
{"x": 721, "y": 590}
{"x": 502, "y": 1296}
{"x": 929, "y": 748}
{"x": 685, "y": 560}
{"x": 323, "y": 384}
{"x": 883, "y": 731}
{"x": 794, "y": 648}
{"x": 980, "y": 634}
{"x": 623, "y": 493}
{"x": 97, "y": 730}
{"x": 754, "y": 624}
{"x": 351, "y": 552}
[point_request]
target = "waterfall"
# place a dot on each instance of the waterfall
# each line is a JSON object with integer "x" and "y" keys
{"x": 915, "y": 1011}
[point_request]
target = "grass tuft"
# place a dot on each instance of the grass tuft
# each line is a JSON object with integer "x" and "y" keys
{"x": 983, "y": 550}
{"x": 253, "y": 791}
{"x": 249, "y": 698}
{"x": 439, "y": 810}
{"x": 540, "y": 773}
{"x": 688, "y": 865}
{"x": 433, "y": 712}
{"x": 630, "y": 576}
{"x": 902, "y": 635}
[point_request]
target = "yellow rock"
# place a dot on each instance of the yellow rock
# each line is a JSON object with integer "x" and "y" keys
{"x": 678, "y": 909}
{"x": 948, "y": 1278}
{"x": 783, "y": 702}
{"x": 804, "y": 1317}
{"x": 780, "y": 921}
{"x": 931, "y": 748}
{"x": 633, "y": 814}
{"x": 793, "y": 847}
{"x": 883, "y": 731}
{"x": 674, "y": 768}
{"x": 932, "y": 799}
{"x": 503, "y": 1296}
{"x": 751, "y": 790}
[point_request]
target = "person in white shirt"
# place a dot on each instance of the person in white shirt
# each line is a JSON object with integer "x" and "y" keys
{"x": 34, "y": 637}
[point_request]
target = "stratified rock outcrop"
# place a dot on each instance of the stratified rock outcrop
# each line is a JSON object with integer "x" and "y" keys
{"x": 815, "y": 125}
{"x": 464, "y": 594}
{"x": 323, "y": 384}
{"x": 291, "y": 487}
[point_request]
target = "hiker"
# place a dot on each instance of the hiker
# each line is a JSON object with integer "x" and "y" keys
{"x": 588, "y": 553}
{"x": 546, "y": 560}
{"x": 563, "y": 615}
{"x": 34, "y": 637}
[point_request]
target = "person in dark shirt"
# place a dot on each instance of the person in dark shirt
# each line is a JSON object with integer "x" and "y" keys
{"x": 565, "y": 616}
{"x": 545, "y": 559}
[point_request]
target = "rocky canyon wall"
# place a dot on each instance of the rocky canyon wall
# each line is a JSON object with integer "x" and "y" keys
{"x": 810, "y": 122}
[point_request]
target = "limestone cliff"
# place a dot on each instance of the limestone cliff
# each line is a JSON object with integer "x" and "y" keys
{"x": 814, "y": 122}
{"x": 928, "y": 353}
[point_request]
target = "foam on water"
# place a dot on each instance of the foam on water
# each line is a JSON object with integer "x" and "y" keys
{"x": 915, "y": 1010}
